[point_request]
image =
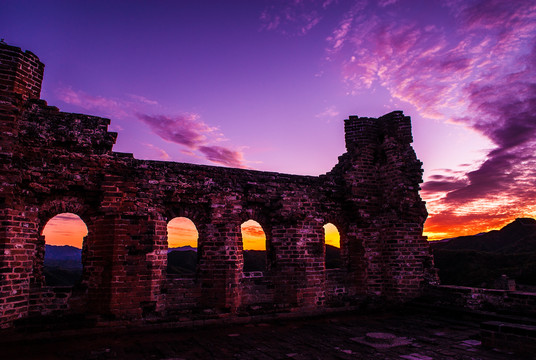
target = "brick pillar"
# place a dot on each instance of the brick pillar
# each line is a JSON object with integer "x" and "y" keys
{"x": 157, "y": 260}
{"x": 18, "y": 236}
{"x": 20, "y": 72}
{"x": 97, "y": 258}
{"x": 121, "y": 274}
{"x": 221, "y": 260}
{"x": 312, "y": 250}
{"x": 356, "y": 266}
{"x": 363, "y": 204}
{"x": 298, "y": 267}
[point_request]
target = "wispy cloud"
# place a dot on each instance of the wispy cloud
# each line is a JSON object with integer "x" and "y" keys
{"x": 384, "y": 3}
{"x": 91, "y": 102}
{"x": 255, "y": 231}
{"x": 117, "y": 108}
{"x": 189, "y": 131}
{"x": 294, "y": 18}
{"x": 328, "y": 114}
{"x": 476, "y": 66}
{"x": 143, "y": 99}
{"x": 162, "y": 154}
{"x": 185, "y": 129}
{"x": 224, "y": 156}
{"x": 501, "y": 105}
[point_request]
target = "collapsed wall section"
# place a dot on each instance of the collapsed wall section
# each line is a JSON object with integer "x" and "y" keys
{"x": 55, "y": 162}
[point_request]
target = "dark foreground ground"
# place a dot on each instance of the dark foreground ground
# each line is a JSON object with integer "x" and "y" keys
{"x": 417, "y": 336}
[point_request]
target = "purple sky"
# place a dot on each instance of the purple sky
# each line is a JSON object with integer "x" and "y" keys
{"x": 266, "y": 85}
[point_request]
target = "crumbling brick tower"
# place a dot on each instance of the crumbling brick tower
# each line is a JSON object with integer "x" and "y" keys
{"x": 54, "y": 162}
{"x": 381, "y": 176}
{"x": 21, "y": 75}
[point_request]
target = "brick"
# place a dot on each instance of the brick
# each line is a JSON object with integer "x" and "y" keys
{"x": 58, "y": 162}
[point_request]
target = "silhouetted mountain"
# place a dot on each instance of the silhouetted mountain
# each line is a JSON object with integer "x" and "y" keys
{"x": 63, "y": 265}
{"x": 182, "y": 248}
{"x": 181, "y": 261}
{"x": 63, "y": 253}
{"x": 518, "y": 236}
{"x": 333, "y": 257}
{"x": 481, "y": 259}
{"x": 254, "y": 260}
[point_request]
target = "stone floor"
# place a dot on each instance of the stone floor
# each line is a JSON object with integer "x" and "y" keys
{"x": 410, "y": 335}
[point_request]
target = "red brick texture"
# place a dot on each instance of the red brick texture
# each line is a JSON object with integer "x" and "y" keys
{"x": 54, "y": 162}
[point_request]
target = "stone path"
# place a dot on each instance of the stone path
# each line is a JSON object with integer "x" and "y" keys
{"x": 411, "y": 336}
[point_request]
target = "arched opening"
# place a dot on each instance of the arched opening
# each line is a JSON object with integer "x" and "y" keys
{"x": 64, "y": 235}
{"x": 333, "y": 246}
{"x": 182, "y": 239}
{"x": 254, "y": 246}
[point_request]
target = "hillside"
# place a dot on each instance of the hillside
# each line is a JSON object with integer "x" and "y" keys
{"x": 517, "y": 237}
{"x": 63, "y": 265}
{"x": 182, "y": 261}
{"x": 479, "y": 260}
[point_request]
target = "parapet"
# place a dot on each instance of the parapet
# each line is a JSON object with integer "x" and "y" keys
{"x": 20, "y": 72}
{"x": 364, "y": 131}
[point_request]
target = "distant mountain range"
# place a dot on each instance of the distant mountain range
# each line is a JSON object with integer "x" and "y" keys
{"x": 479, "y": 260}
{"x": 63, "y": 252}
{"x": 518, "y": 236}
{"x": 182, "y": 248}
{"x": 63, "y": 265}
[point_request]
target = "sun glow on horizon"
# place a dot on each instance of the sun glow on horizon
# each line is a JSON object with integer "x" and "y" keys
{"x": 333, "y": 237}
{"x": 253, "y": 236}
{"x": 181, "y": 231}
{"x": 471, "y": 226}
{"x": 65, "y": 229}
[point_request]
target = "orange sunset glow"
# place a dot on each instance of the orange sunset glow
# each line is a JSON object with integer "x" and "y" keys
{"x": 466, "y": 78}
{"x": 447, "y": 219}
{"x": 253, "y": 236}
{"x": 333, "y": 237}
{"x": 69, "y": 229}
{"x": 65, "y": 229}
{"x": 182, "y": 232}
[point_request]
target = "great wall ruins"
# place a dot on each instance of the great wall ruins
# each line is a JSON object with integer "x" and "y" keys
{"x": 54, "y": 162}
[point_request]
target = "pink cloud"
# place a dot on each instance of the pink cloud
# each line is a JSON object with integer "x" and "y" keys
{"x": 328, "y": 114}
{"x": 295, "y": 17}
{"x": 189, "y": 131}
{"x": 223, "y": 156}
{"x": 475, "y": 64}
{"x": 384, "y": 3}
{"x": 90, "y": 102}
{"x": 162, "y": 154}
{"x": 185, "y": 129}
{"x": 143, "y": 99}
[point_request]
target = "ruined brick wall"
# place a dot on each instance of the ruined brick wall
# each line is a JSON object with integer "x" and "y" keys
{"x": 54, "y": 162}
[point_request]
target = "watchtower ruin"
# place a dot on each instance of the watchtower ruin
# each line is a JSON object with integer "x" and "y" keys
{"x": 54, "y": 162}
